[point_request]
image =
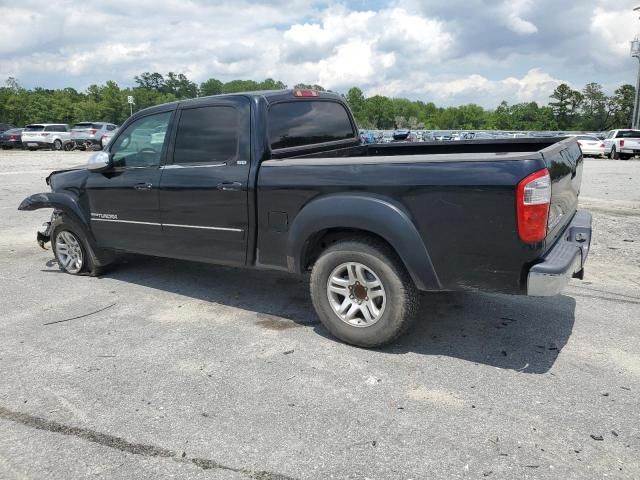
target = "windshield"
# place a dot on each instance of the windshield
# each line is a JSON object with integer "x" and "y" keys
{"x": 34, "y": 128}
{"x": 628, "y": 134}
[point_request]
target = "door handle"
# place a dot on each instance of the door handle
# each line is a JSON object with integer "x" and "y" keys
{"x": 143, "y": 186}
{"x": 229, "y": 186}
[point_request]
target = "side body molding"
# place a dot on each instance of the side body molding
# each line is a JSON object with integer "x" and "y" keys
{"x": 368, "y": 213}
{"x": 60, "y": 201}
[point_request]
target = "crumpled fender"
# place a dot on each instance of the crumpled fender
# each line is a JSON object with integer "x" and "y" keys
{"x": 60, "y": 201}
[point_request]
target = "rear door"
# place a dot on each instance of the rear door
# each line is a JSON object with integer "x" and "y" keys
{"x": 203, "y": 189}
{"x": 124, "y": 200}
{"x": 564, "y": 161}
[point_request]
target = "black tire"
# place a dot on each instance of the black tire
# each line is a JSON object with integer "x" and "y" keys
{"x": 624, "y": 156}
{"x": 91, "y": 267}
{"x": 402, "y": 296}
{"x": 57, "y": 144}
{"x": 67, "y": 147}
{"x": 614, "y": 155}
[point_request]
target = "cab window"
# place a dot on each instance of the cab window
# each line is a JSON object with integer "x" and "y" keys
{"x": 207, "y": 135}
{"x": 141, "y": 143}
{"x": 301, "y": 123}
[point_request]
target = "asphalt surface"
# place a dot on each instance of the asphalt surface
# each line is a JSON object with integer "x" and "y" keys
{"x": 196, "y": 371}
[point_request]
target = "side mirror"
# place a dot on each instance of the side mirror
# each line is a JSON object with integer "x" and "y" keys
{"x": 100, "y": 161}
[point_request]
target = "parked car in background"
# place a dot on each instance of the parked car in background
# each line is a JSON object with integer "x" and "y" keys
{"x": 106, "y": 138}
{"x": 622, "y": 144}
{"x": 45, "y": 135}
{"x": 401, "y": 135}
{"x": 590, "y": 145}
{"x": 11, "y": 138}
{"x": 387, "y": 137}
{"x": 89, "y": 134}
{"x": 6, "y": 126}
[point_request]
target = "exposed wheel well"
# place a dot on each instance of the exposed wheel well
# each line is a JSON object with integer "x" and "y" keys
{"x": 321, "y": 240}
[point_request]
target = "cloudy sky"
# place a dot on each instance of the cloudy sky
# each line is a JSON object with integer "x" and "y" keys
{"x": 446, "y": 51}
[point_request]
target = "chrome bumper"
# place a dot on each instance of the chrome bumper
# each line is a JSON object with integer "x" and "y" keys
{"x": 565, "y": 260}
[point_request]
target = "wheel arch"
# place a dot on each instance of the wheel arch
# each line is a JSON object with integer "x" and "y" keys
{"x": 333, "y": 217}
{"x": 59, "y": 201}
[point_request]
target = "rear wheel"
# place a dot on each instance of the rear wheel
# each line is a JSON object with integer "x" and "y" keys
{"x": 363, "y": 293}
{"x": 57, "y": 144}
{"x": 625, "y": 156}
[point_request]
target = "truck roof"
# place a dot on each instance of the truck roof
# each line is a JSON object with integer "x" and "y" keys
{"x": 271, "y": 96}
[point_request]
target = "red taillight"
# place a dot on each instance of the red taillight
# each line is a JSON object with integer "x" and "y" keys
{"x": 305, "y": 93}
{"x": 602, "y": 145}
{"x": 13, "y": 137}
{"x": 621, "y": 143}
{"x": 533, "y": 196}
{"x": 92, "y": 132}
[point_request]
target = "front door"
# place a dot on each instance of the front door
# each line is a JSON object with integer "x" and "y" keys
{"x": 203, "y": 188}
{"x": 124, "y": 200}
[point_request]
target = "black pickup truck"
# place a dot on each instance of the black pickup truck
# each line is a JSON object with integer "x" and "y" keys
{"x": 279, "y": 180}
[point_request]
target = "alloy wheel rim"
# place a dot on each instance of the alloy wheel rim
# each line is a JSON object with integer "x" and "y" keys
{"x": 69, "y": 252}
{"x": 356, "y": 294}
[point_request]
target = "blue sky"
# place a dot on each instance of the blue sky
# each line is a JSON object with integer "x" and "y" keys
{"x": 451, "y": 52}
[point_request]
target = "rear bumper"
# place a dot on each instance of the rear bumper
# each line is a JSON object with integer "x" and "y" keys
{"x": 565, "y": 260}
{"x": 631, "y": 151}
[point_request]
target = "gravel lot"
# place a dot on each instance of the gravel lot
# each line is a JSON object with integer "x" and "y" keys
{"x": 196, "y": 371}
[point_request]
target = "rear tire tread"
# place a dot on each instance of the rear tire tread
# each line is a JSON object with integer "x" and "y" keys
{"x": 376, "y": 248}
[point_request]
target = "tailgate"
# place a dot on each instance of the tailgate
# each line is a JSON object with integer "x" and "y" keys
{"x": 564, "y": 161}
{"x": 630, "y": 143}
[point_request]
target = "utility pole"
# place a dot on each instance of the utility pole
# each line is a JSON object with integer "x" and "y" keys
{"x": 635, "y": 52}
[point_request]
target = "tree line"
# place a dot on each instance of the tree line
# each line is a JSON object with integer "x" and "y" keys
{"x": 587, "y": 110}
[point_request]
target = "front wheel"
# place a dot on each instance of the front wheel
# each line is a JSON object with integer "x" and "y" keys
{"x": 72, "y": 249}
{"x": 362, "y": 292}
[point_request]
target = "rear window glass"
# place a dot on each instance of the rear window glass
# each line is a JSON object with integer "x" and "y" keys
{"x": 629, "y": 134}
{"x": 207, "y": 134}
{"x": 56, "y": 128}
{"x": 294, "y": 124}
{"x": 34, "y": 128}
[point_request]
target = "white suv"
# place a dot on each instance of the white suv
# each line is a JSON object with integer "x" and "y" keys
{"x": 45, "y": 135}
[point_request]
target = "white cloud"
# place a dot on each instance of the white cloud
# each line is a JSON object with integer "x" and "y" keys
{"x": 451, "y": 52}
{"x": 513, "y": 12}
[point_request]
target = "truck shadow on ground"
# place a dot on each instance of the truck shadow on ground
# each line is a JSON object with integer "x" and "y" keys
{"x": 512, "y": 332}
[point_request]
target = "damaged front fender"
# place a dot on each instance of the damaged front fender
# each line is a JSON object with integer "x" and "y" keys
{"x": 59, "y": 201}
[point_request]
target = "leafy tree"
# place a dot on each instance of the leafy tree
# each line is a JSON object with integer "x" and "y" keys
{"x": 180, "y": 86}
{"x": 596, "y": 108}
{"x": 355, "y": 99}
{"x": 150, "y": 81}
{"x": 569, "y": 109}
{"x": 565, "y": 107}
{"x": 622, "y": 107}
{"x": 213, "y": 86}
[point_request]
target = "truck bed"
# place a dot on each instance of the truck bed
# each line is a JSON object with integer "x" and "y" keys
{"x": 460, "y": 195}
{"x": 467, "y": 147}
